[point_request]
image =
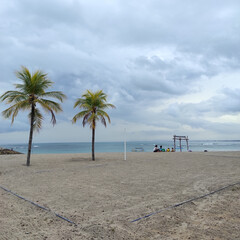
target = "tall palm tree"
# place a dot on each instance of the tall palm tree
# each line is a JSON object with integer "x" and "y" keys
{"x": 93, "y": 105}
{"x": 28, "y": 94}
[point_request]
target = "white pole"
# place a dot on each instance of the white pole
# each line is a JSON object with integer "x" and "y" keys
{"x": 125, "y": 144}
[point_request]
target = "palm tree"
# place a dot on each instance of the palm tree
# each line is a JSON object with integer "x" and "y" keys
{"x": 93, "y": 105}
{"x": 30, "y": 93}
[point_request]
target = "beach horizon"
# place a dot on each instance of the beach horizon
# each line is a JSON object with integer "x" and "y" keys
{"x": 146, "y": 146}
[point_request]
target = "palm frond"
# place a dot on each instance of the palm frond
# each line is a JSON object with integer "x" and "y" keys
{"x": 37, "y": 121}
{"x": 103, "y": 121}
{"x": 31, "y": 91}
{"x": 24, "y": 75}
{"x": 48, "y": 105}
{"x": 14, "y": 109}
{"x": 54, "y": 94}
{"x": 93, "y": 104}
{"x": 40, "y": 82}
{"x": 109, "y": 105}
{"x": 35, "y": 83}
{"x": 88, "y": 119}
{"x": 80, "y": 102}
{"x": 79, "y": 116}
{"x": 13, "y": 96}
{"x": 103, "y": 114}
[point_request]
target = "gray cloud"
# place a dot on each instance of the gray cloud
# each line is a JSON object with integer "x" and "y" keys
{"x": 144, "y": 55}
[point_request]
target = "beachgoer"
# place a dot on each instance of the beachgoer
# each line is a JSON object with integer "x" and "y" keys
{"x": 160, "y": 148}
{"x": 173, "y": 150}
{"x": 168, "y": 150}
{"x": 156, "y": 149}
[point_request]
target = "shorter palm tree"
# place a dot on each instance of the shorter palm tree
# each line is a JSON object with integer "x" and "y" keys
{"x": 93, "y": 105}
{"x": 30, "y": 93}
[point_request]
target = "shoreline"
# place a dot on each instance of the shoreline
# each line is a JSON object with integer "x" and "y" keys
{"x": 109, "y": 153}
{"x": 102, "y": 147}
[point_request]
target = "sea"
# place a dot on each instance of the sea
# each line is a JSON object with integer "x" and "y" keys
{"x": 131, "y": 146}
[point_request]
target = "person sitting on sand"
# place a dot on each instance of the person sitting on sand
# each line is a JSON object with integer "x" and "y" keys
{"x": 168, "y": 150}
{"x": 156, "y": 149}
{"x": 160, "y": 148}
{"x": 173, "y": 150}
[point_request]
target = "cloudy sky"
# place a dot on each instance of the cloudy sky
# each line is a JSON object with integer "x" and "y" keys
{"x": 169, "y": 66}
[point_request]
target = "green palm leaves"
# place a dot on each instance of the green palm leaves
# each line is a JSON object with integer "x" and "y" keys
{"x": 30, "y": 94}
{"x": 93, "y": 105}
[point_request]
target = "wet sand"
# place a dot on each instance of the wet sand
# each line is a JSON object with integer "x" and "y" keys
{"x": 102, "y": 197}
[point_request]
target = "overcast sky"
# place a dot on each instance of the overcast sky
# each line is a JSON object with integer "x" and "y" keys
{"x": 170, "y": 67}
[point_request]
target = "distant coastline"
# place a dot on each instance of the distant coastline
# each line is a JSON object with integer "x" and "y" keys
{"x": 85, "y": 147}
{"x": 6, "y": 151}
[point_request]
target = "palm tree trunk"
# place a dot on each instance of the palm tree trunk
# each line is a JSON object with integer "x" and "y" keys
{"x": 30, "y": 136}
{"x": 93, "y": 141}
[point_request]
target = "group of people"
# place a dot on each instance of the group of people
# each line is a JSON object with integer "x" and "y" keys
{"x": 161, "y": 149}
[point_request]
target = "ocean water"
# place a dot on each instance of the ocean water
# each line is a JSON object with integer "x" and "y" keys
{"x": 147, "y": 146}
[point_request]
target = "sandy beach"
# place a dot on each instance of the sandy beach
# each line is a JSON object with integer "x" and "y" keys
{"x": 103, "y": 197}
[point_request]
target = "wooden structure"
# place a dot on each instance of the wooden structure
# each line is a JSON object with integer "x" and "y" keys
{"x": 180, "y": 138}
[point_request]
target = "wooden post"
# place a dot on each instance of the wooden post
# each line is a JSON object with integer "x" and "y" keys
{"x": 174, "y": 140}
{"x": 125, "y": 144}
{"x": 180, "y": 144}
{"x": 180, "y": 138}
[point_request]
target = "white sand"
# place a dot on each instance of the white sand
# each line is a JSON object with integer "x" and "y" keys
{"x": 104, "y": 196}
